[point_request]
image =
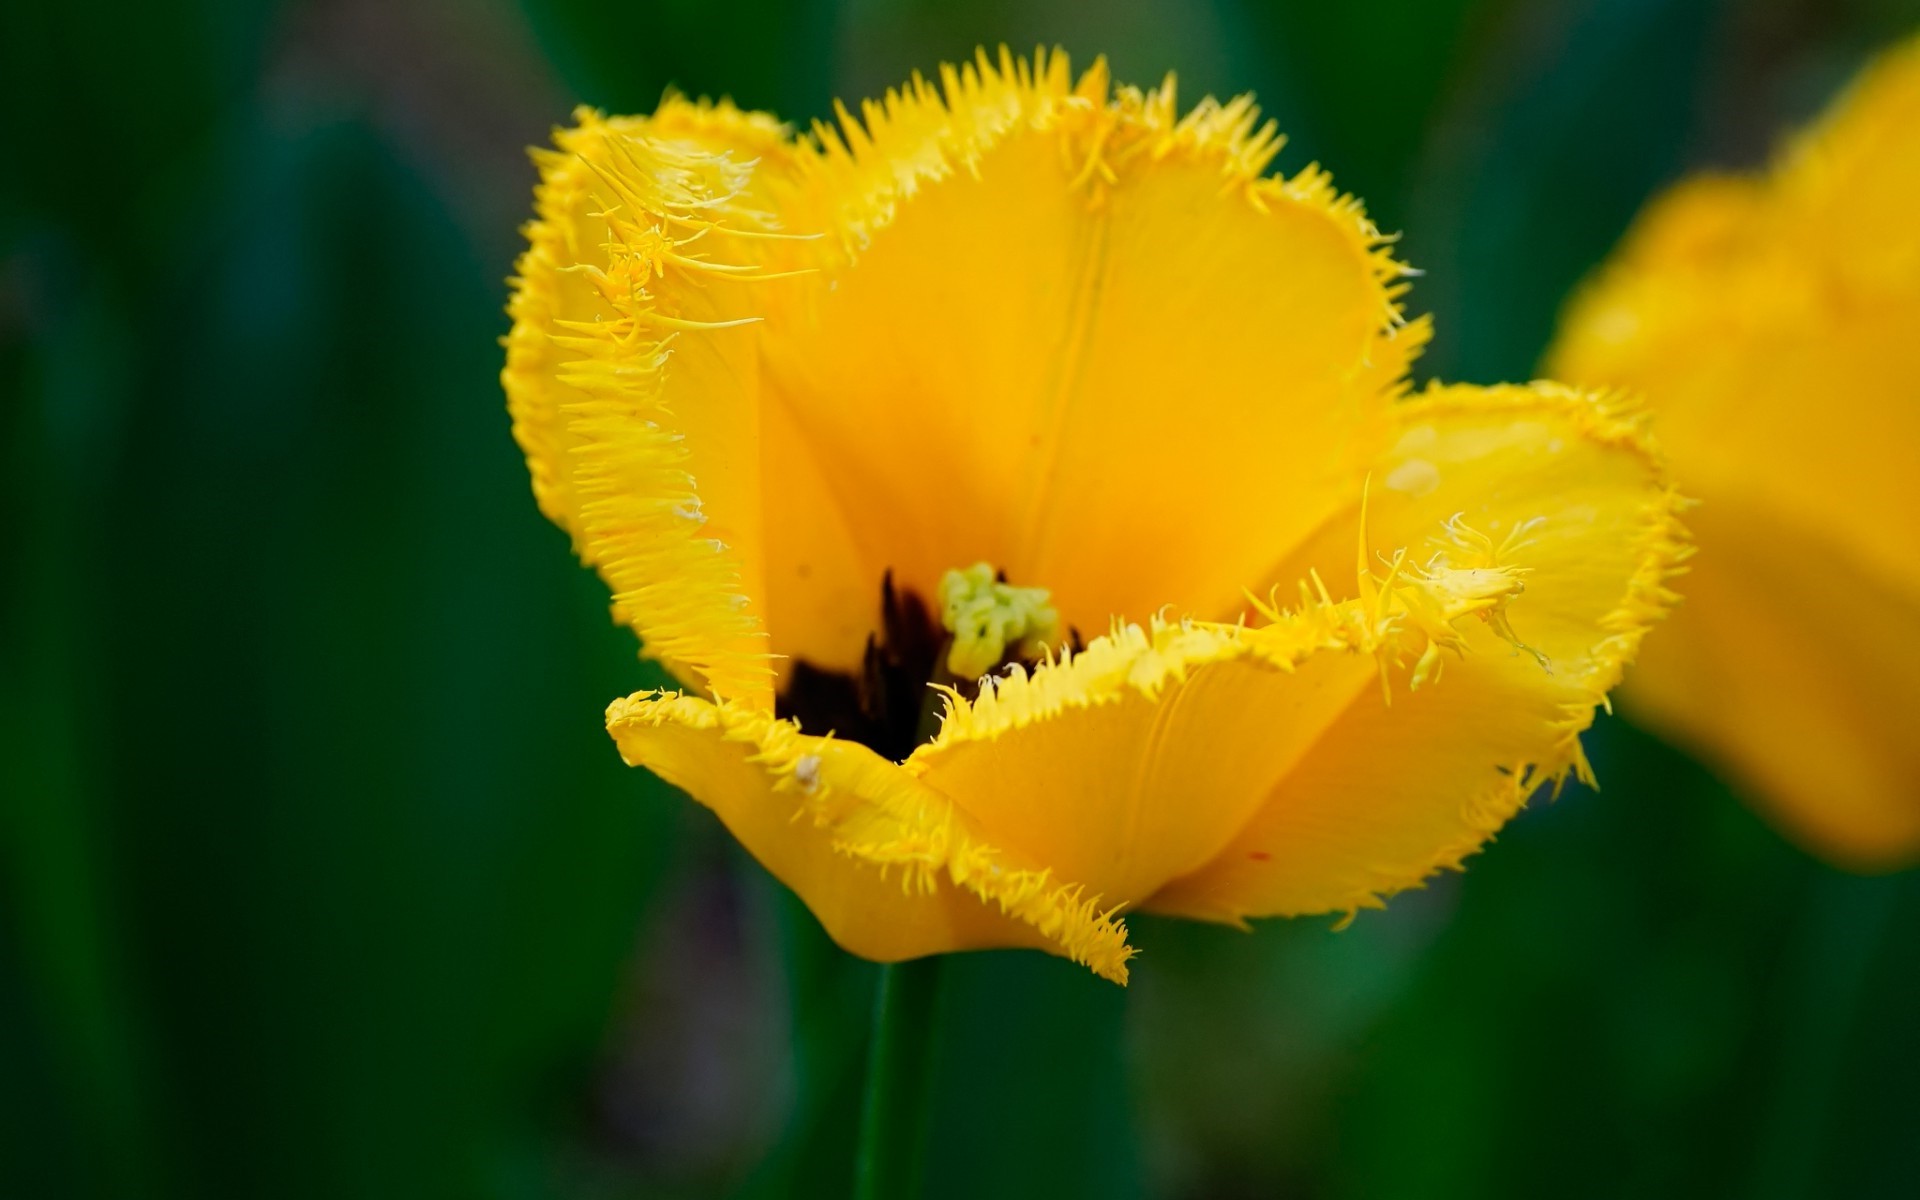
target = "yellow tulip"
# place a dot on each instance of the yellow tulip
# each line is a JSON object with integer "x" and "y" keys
{"x": 929, "y": 393}
{"x": 1773, "y": 325}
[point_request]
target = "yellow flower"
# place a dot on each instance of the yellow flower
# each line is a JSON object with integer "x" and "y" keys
{"x": 1020, "y": 357}
{"x": 1773, "y": 324}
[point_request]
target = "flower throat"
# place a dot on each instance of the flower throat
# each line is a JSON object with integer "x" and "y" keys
{"x": 893, "y": 702}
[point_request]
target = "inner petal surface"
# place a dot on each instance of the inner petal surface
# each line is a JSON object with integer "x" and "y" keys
{"x": 1098, "y": 353}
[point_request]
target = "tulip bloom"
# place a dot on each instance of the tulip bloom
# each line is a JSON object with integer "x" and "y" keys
{"x": 872, "y": 431}
{"x": 1773, "y": 324}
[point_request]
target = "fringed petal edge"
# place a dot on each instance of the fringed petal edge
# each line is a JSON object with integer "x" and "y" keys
{"x": 882, "y": 819}
{"x": 1663, "y": 546}
{"x": 607, "y": 459}
{"x": 860, "y": 168}
{"x": 1404, "y": 618}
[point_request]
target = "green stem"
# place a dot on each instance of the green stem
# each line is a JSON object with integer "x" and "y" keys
{"x": 893, "y": 1120}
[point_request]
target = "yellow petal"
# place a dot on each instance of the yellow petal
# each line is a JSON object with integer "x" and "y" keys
{"x": 1847, "y": 185}
{"x": 1774, "y": 381}
{"x": 633, "y": 375}
{"x": 1550, "y": 486}
{"x": 1797, "y": 674}
{"x": 1769, "y": 322}
{"x": 1222, "y": 771}
{"x": 890, "y": 867}
{"x": 1135, "y": 760}
{"x": 1068, "y": 332}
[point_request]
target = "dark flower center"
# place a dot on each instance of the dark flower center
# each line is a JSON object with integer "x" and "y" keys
{"x": 887, "y": 705}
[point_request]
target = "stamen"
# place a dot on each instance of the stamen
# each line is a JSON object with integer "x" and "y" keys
{"x": 986, "y": 616}
{"x": 911, "y": 674}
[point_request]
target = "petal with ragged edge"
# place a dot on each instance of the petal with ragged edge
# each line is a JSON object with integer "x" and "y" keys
{"x": 1225, "y": 771}
{"x": 1069, "y": 332}
{"x": 1556, "y": 487}
{"x": 1135, "y": 760}
{"x": 633, "y": 374}
{"x": 890, "y": 866}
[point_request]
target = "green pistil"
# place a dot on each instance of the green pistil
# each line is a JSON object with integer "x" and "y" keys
{"x": 987, "y": 616}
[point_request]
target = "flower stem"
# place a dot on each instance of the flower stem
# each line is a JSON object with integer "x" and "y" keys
{"x": 893, "y": 1120}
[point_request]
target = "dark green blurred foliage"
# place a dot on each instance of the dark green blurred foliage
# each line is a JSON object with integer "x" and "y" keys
{"x": 319, "y": 878}
{"x": 767, "y": 54}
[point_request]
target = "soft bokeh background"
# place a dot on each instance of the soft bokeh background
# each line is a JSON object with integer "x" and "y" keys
{"x": 318, "y": 877}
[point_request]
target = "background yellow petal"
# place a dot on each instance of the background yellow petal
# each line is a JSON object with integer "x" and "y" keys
{"x": 1769, "y": 322}
{"x": 633, "y": 385}
{"x": 887, "y": 864}
{"x": 1776, "y": 379}
{"x": 1067, "y": 332}
{"x": 1798, "y": 675}
{"x": 1568, "y": 492}
{"x": 1848, "y": 184}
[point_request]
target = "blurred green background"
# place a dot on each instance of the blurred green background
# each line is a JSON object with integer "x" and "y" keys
{"x": 318, "y": 877}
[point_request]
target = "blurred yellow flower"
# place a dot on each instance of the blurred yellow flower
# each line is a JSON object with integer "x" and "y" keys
{"x": 1773, "y": 325}
{"x": 841, "y": 415}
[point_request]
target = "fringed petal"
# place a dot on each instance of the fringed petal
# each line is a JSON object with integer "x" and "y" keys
{"x": 1551, "y": 525}
{"x": 1135, "y": 760}
{"x": 888, "y": 864}
{"x": 633, "y": 379}
{"x": 1345, "y": 748}
{"x": 1064, "y": 329}
{"x": 1769, "y": 322}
